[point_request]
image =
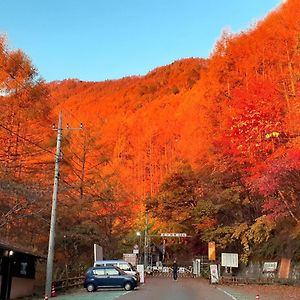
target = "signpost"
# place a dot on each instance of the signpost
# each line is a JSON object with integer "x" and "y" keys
{"x": 173, "y": 235}
{"x": 135, "y": 249}
{"x": 130, "y": 257}
{"x": 141, "y": 270}
{"x": 270, "y": 266}
{"x": 211, "y": 251}
{"x": 98, "y": 252}
{"x": 230, "y": 260}
{"x": 214, "y": 275}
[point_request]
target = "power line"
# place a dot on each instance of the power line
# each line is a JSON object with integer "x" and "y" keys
{"x": 23, "y": 86}
{"x": 27, "y": 140}
{"x": 70, "y": 113}
{"x": 26, "y": 87}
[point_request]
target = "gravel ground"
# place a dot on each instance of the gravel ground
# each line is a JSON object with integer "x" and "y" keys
{"x": 268, "y": 292}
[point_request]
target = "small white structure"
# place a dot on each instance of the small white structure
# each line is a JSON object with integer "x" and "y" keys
{"x": 141, "y": 270}
{"x": 214, "y": 274}
{"x": 197, "y": 267}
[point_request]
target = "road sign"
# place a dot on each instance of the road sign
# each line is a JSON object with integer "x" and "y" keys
{"x": 173, "y": 235}
{"x": 211, "y": 251}
{"x": 229, "y": 260}
{"x": 214, "y": 275}
{"x": 98, "y": 252}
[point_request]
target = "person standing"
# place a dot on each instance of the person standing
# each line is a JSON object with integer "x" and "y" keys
{"x": 175, "y": 270}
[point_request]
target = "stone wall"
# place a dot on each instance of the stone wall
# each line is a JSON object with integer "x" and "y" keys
{"x": 255, "y": 270}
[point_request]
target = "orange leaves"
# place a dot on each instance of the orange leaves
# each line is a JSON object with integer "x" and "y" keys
{"x": 205, "y": 224}
{"x": 258, "y": 111}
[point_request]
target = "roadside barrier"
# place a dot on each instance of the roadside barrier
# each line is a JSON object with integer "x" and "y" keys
{"x": 53, "y": 292}
{"x": 69, "y": 282}
{"x": 168, "y": 272}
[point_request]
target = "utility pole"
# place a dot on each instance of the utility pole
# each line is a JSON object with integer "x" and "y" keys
{"x": 53, "y": 211}
{"x": 54, "y": 205}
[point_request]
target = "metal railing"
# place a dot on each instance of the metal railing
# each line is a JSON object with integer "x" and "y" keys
{"x": 168, "y": 272}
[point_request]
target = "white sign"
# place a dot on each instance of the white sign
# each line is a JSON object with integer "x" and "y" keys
{"x": 214, "y": 275}
{"x": 135, "y": 251}
{"x": 130, "y": 257}
{"x": 140, "y": 269}
{"x": 270, "y": 266}
{"x": 230, "y": 260}
{"x": 98, "y": 252}
{"x": 173, "y": 234}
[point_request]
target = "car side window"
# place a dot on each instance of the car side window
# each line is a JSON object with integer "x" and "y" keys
{"x": 98, "y": 272}
{"x": 111, "y": 272}
{"x": 124, "y": 267}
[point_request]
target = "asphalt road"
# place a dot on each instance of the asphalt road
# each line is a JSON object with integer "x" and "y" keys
{"x": 186, "y": 289}
{"x": 181, "y": 289}
{"x": 163, "y": 289}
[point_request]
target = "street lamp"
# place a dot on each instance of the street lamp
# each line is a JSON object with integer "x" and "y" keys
{"x": 138, "y": 233}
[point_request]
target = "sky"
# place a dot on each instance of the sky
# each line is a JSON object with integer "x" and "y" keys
{"x": 96, "y": 40}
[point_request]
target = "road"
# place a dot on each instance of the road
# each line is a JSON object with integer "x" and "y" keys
{"x": 165, "y": 289}
{"x": 181, "y": 289}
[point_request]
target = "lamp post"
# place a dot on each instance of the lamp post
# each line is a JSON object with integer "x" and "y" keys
{"x": 146, "y": 243}
{"x": 9, "y": 274}
{"x": 140, "y": 236}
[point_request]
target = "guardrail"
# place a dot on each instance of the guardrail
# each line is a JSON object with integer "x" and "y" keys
{"x": 68, "y": 283}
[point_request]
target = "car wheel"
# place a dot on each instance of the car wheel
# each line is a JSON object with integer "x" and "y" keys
{"x": 127, "y": 286}
{"x": 90, "y": 287}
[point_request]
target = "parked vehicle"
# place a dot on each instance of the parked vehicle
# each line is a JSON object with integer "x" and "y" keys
{"x": 109, "y": 277}
{"x": 127, "y": 267}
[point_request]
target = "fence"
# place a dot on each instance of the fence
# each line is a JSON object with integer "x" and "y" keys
{"x": 168, "y": 272}
{"x": 68, "y": 283}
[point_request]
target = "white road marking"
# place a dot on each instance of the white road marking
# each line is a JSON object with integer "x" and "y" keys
{"x": 228, "y": 294}
{"x": 122, "y": 294}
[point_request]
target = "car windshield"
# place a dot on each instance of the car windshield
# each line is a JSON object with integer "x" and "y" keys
{"x": 120, "y": 271}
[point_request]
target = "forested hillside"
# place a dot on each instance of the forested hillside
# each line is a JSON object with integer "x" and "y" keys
{"x": 210, "y": 147}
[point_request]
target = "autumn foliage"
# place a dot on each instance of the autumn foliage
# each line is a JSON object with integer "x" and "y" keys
{"x": 207, "y": 146}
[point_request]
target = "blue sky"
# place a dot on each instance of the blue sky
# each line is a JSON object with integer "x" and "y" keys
{"x": 96, "y": 40}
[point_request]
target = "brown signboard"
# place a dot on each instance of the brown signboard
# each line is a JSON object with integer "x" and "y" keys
{"x": 284, "y": 268}
{"x": 211, "y": 251}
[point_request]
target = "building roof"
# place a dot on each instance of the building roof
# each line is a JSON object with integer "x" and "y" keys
{"x": 16, "y": 248}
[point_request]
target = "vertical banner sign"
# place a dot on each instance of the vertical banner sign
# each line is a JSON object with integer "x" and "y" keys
{"x": 98, "y": 252}
{"x": 140, "y": 269}
{"x": 214, "y": 275}
{"x": 284, "y": 269}
{"x": 211, "y": 251}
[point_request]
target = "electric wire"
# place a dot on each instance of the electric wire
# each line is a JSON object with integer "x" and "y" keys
{"x": 27, "y": 140}
{"x": 49, "y": 95}
{"x": 38, "y": 82}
